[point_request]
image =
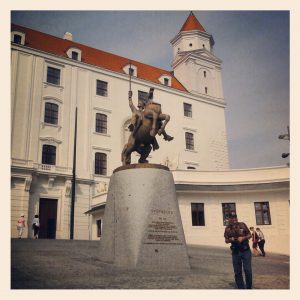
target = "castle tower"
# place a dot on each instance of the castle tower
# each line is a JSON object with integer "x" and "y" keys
{"x": 194, "y": 63}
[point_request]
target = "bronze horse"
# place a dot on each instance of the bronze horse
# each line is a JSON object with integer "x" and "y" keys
{"x": 150, "y": 121}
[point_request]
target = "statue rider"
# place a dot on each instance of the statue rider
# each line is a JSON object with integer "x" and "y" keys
{"x": 137, "y": 115}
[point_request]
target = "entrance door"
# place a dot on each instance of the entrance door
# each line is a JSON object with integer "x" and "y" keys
{"x": 47, "y": 216}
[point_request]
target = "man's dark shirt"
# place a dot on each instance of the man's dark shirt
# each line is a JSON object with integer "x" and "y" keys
{"x": 236, "y": 230}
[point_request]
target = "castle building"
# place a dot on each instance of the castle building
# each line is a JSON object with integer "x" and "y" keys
{"x": 53, "y": 77}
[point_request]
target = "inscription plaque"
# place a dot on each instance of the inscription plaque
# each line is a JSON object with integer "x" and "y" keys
{"x": 162, "y": 230}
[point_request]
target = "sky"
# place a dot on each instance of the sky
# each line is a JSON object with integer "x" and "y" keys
{"x": 254, "y": 48}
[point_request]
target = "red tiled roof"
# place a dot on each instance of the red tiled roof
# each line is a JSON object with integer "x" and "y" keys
{"x": 58, "y": 46}
{"x": 192, "y": 23}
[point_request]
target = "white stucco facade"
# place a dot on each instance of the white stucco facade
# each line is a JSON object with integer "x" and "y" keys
{"x": 198, "y": 70}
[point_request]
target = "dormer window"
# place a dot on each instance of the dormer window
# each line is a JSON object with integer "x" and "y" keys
{"x": 165, "y": 80}
{"x": 74, "y": 53}
{"x": 130, "y": 69}
{"x": 18, "y": 37}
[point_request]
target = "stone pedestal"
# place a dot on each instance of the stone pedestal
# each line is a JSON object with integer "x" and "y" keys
{"x": 142, "y": 226}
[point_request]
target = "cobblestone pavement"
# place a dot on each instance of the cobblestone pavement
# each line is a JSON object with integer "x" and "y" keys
{"x": 63, "y": 264}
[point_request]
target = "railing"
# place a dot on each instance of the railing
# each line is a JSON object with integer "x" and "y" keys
{"x": 52, "y": 168}
{"x": 40, "y": 167}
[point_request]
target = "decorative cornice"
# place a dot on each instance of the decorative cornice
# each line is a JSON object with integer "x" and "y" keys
{"x": 50, "y": 139}
{"x": 181, "y": 187}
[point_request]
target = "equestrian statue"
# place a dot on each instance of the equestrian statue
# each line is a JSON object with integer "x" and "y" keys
{"x": 146, "y": 122}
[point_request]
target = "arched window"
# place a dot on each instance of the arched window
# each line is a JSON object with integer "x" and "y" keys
{"x": 206, "y": 90}
{"x": 204, "y": 74}
{"x": 51, "y": 113}
{"x": 100, "y": 163}
{"x": 49, "y": 155}
{"x": 101, "y": 123}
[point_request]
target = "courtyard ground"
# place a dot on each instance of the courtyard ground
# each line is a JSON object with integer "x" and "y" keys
{"x": 64, "y": 264}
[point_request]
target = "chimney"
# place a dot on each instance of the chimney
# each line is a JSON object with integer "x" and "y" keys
{"x": 68, "y": 36}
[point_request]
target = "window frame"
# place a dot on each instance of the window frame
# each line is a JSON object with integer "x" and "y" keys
{"x": 143, "y": 96}
{"x": 262, "y": 211}
{"x": 187, "y": 112}
{"x": 101, "y": 124}
{"x": 99, "y": 169}
{"x": 51, "y": 117}
{"x": 104, "y": 92}
{"x": 45, "y": 156}
{"x": 197, "y": 214}
{"x": 74, "y": 55}
{"x": 19, "y": 42}
{"x": 19, "y": 33}
{"x": 48, "y": 77}
{"x": 189, "y": 141}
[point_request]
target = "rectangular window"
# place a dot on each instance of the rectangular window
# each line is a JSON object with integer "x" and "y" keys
{"x": 100, "y": 163}
{"x": 166, "y": 81}
{"x": 53, "y": 75}
{"x": 198, "y": 214}
{"x": 189, "y": 141}
{"x": 143, "y": 96}
{"x": 187, "y": 110}
{"x": 262, "y": 213}
{"x": 99, "y": 229}
{"x": 101, "y": 88}
{"x": 74, "y": 55}
{"x": 49, "y": 155}
{"x": 227, "y": 209}
{"x": 17, "y": 39}
{"x": 101, "y": 123}
{"x": 51, "y": 113}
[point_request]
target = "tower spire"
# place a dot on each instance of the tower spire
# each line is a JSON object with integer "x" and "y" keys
{"x": 192, "y": 23}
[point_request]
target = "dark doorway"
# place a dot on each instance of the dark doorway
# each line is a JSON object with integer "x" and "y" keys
{"x": 48, "y": 215}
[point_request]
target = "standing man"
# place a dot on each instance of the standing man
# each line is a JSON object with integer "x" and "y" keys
{"x": 36, "y": 226}
{"x": 261, "y": 241}
{"x": 238, "y": 234}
